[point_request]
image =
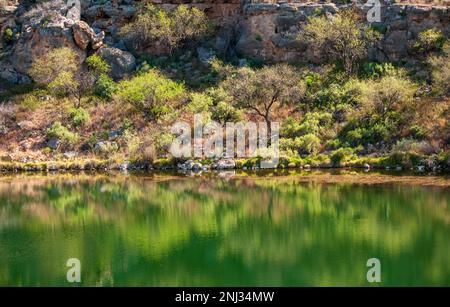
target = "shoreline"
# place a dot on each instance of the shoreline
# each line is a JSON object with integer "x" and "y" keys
{"x": 204, "y": 165}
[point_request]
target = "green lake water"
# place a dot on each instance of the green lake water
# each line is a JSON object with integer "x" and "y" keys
{"x": 164, "y": 230}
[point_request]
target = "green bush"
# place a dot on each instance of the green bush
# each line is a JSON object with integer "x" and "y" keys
{"x": 377, "y": 70}
{"x": 343, "y": 37}
{"x": 58, "y": 131}
{"x": 307, "y": 144}
{"x": 8, "y": 35}
{"x": 429, "y": 40}
{"x": 151, "y": 93}
{"x": 105, "y": 87}
{"x": 311, "y": 123}
{"x": 199, "y": 103}
{"x": 223, "y": 110}
{"x": 440, "y": 71}
{"x": 405, "y": 159}
{"x": 370, "y": 132}
{"x": 79, "y": 116}
{"x": 409, "y": 152}
{"x": 418, "y": 132}
{"x": 342, "y": 155}
{"x": 168, "y": 27}
{"x": 30, "y": 102}
{"x": 106, "y": 149}
{"x": 443, "y": 160}
{"x": 333, "y": 144}
{"x": 98, "y": 65}
{"x": 162, "y": 163}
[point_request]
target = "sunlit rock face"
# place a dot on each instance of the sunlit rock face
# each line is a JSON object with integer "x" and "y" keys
{"x": 263, "y": 30}
{"x": 268, "y": 28}
{"x": 40, "y": 28}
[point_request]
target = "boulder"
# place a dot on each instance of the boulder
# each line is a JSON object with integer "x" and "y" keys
{"x": 9, "y": 74}
{"x": 114, "y": 134}
{"x": 197, "y": 166}
{"x": 53, "y": 143}
{"x": 84, "y": 35}
{"x": 74, "y": 11}
{"x": 45, "y": 27}
{"x": 224, "y": 164}
{"x": 122, "y": 62}
{"x": 187, "y": 165}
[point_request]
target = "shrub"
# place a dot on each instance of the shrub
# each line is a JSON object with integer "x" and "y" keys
{"x": 406, "y": 159}
{"x": 377, "y": 70}
{"x": 429, "y": 40}
{"x": 199, "y": 103}
{"x": 342, "y": 155}
{"x": 169, "y": 28}
{"x": 30, "y": 102}
{"x": 106, "y": 149}
{"x": 418, "y": 132}
{"x": 305, "y": 144}
{"x": 308, "y": 143}
{"x": 79, "y": 116}
{"x": 343, "y": 37}
{"x": 311, "y": 123}
{"x": 412, "y": 146}
{"x": 105, "y": 87}
{"x": 443, "y": 160}
{"x": 52, "y": 65}
{"x": 163, "y": 163}
{"x": 57, "y": 70}
{"x": 224, "y": 112}
{"x": 162, "y": 141}
{"x": 440, "y": 71}
{"x": 8, "y": 35}
{"x": 58, "y": 131}
{"x": 290, "y": 128}
{"x": 98, "y": 65}
{"x": 151, "y": 93}
{"x": 333, "y": 144}
{"x": 386, "y": 94}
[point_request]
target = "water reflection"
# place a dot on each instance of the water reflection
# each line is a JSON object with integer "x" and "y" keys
{"x": 198, "y": 231}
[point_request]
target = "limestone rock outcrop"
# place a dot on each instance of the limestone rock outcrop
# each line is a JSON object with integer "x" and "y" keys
{"x": 37, "y": 30}
{"x": 122, "y": 62}
{"x": 84, "y": 35}
{"x": 259, "y": 29}
{"x": 268, "y": 29}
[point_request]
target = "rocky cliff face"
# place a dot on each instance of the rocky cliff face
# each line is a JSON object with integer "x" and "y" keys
{"x": 257, "y": 29}
{"x": 267, "y": 29}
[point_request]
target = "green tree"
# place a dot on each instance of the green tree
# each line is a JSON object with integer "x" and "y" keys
{"x": 97, "y": 65}
{"x": 53, "y": 64}
{"x": 265, "y": 90}
{"x": 151, "y": 93}
{"x": 58, "y": 71}
{"x": 386, "y": 94}
{"x": 104, "y": 86}
{"x": 343, "y": 37}
{"x": 169, "y": 28}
